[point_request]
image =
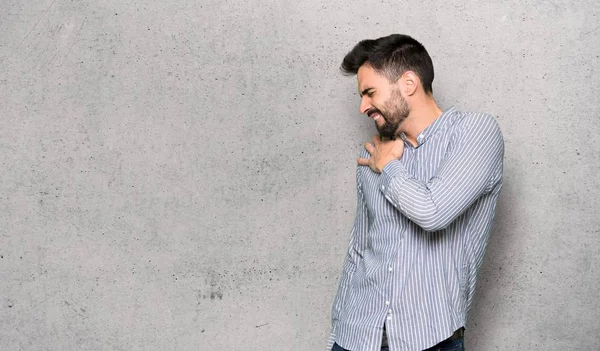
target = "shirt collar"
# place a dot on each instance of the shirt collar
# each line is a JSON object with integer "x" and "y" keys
{"x": 437, "y": 125}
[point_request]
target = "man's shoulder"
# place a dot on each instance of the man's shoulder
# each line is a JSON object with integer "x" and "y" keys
{"x": 476, "y": 122}
{"x": 364, "y": 153}
{"x": 475, "y": 118}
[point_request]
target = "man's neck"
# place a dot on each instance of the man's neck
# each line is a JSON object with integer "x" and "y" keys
{"x": 422, "y": 114}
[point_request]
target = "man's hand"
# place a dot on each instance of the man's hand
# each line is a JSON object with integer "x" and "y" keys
{"x": 382, "y": 152}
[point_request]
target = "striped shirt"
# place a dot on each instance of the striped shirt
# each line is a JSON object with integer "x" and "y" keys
{"x": 419, "y": 237}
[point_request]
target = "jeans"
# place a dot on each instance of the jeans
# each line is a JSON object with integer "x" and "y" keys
{"x": 446, "y": 345}
{"x": 449, "y": 345}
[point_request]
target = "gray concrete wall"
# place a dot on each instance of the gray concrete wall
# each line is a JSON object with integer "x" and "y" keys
{"x": 180, "y": 175}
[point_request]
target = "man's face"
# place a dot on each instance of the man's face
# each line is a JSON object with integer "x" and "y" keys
{"x": 382, "y": 101}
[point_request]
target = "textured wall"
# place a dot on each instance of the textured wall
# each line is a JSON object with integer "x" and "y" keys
{"x": 180, "y": 175}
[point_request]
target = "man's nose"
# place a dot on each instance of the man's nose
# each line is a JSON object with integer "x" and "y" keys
{"x": 365, "y": 104}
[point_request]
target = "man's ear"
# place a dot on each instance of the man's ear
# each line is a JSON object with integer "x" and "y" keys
{"x": 410, "y": 83}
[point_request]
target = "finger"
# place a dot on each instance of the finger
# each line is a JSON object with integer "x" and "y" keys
{"x": 363, "y": 161}
{"x": 370, "y": 148}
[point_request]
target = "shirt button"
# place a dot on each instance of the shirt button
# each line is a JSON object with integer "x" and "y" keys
{"x": 389, "y": 318}
{"x": 390, "y": 268}
{"x": 387, "y": 303}
{"x": 390, "y": 311}
{"x": 383, "y": 187}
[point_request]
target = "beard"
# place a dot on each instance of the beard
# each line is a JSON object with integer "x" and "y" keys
{"x": 395, "y": 111}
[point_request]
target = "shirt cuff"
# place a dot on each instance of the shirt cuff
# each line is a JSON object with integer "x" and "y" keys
{"x": 393, "y": 170}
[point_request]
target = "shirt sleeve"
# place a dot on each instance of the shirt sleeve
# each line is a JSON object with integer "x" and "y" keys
{"x": 355, "y": 252}
{"x": 471, "y": 168}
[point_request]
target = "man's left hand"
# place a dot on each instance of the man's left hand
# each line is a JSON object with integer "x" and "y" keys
{"x": 382, "y": 152}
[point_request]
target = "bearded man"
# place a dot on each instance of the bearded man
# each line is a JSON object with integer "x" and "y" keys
{"x": 427, "y": 188}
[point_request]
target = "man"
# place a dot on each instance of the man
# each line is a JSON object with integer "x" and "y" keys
{"x": 427, "y": 188}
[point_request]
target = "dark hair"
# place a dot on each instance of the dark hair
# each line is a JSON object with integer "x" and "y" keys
{"x": 392, "y": 56}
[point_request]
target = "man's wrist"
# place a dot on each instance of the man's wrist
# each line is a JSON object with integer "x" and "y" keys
{"x": 384, "y": 163}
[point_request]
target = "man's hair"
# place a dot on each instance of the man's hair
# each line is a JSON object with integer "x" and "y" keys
{"x": 391, "y": 56}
